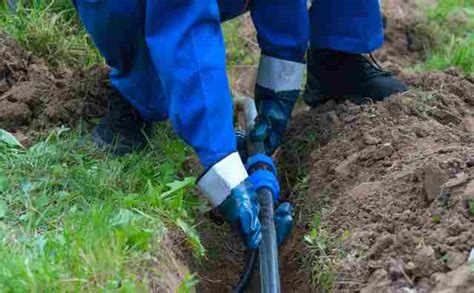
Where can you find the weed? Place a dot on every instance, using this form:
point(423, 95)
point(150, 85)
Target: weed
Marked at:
point(436, 219)
point(189, 282)
point(470, 205)
point(324, 255)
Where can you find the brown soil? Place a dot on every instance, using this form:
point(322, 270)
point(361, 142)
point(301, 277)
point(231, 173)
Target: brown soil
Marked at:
point(392, 181)
point(34, 98)
point(225, 258)
point(165, 270)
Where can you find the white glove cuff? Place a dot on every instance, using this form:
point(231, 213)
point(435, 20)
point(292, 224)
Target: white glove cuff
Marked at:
point(216, 184)
point(280, 75)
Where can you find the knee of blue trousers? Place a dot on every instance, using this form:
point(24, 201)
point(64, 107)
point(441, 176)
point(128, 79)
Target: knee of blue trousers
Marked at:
point(228, 9)
point(346, 25)
point(117, 31)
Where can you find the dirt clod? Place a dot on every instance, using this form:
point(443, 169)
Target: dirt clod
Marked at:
point(35, 98)
point(459, 280)
point(433, 179)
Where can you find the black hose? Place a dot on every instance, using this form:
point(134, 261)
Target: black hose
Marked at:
point(241, 286)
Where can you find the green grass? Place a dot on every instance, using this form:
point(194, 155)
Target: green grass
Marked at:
point(73, 218)
point(451, 23)
point(470, 206)
point(50, 29)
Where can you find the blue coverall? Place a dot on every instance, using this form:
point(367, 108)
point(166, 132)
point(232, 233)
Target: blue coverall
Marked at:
point(168, 58)
point(353, 26)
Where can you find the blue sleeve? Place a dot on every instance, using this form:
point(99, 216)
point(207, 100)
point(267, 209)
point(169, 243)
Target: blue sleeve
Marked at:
point(187, 49)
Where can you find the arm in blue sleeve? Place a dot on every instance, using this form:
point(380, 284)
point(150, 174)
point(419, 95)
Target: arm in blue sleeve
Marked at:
point(187, 49)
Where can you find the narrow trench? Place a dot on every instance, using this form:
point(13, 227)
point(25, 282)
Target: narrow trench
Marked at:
point(226, 256)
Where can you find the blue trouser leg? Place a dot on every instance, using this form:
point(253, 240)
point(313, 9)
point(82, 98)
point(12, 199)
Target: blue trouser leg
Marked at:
point(282, 28)
point(117, 28)
point(353, 26)
point(282, 25)
point(187, 50)
point(168, 59)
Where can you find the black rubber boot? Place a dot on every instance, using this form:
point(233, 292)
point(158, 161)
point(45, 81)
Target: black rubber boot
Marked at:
point(341, 76)
point(122, 130)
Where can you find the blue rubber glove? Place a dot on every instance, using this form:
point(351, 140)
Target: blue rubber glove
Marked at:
point(263, 174)
point(283, 221)
point(241, 211)
point(274, 110)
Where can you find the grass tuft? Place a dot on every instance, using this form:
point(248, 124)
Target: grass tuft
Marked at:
point(324, 254)
point(74, 218)
point(451, 23)
point(50, 29)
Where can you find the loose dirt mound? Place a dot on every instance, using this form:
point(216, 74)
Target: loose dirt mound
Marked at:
point(34, 98)
point(393, 181)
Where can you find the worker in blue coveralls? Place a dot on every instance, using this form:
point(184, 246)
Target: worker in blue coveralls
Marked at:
point(167, 61)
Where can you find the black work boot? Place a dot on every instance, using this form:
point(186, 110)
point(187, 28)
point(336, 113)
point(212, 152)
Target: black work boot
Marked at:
point(340, 76)
point(122, 130)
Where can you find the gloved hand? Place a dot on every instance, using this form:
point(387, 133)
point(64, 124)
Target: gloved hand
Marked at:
point(241, 211)
point(228, 187)
point(263, 174)
point(274, 110)
point(283, 221)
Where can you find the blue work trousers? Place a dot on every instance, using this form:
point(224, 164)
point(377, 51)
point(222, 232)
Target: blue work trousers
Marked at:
point(353, 26)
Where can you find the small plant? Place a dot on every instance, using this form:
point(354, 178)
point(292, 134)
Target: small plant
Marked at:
point(188, 284)
point(436, 219)
point(324, 254)
point(470, 206)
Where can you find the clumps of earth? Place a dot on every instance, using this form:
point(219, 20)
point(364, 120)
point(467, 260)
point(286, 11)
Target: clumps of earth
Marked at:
point(394, 185)
point(35, 98)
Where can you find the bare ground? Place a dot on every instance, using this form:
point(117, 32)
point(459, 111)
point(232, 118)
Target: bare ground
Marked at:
point(35, 98)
